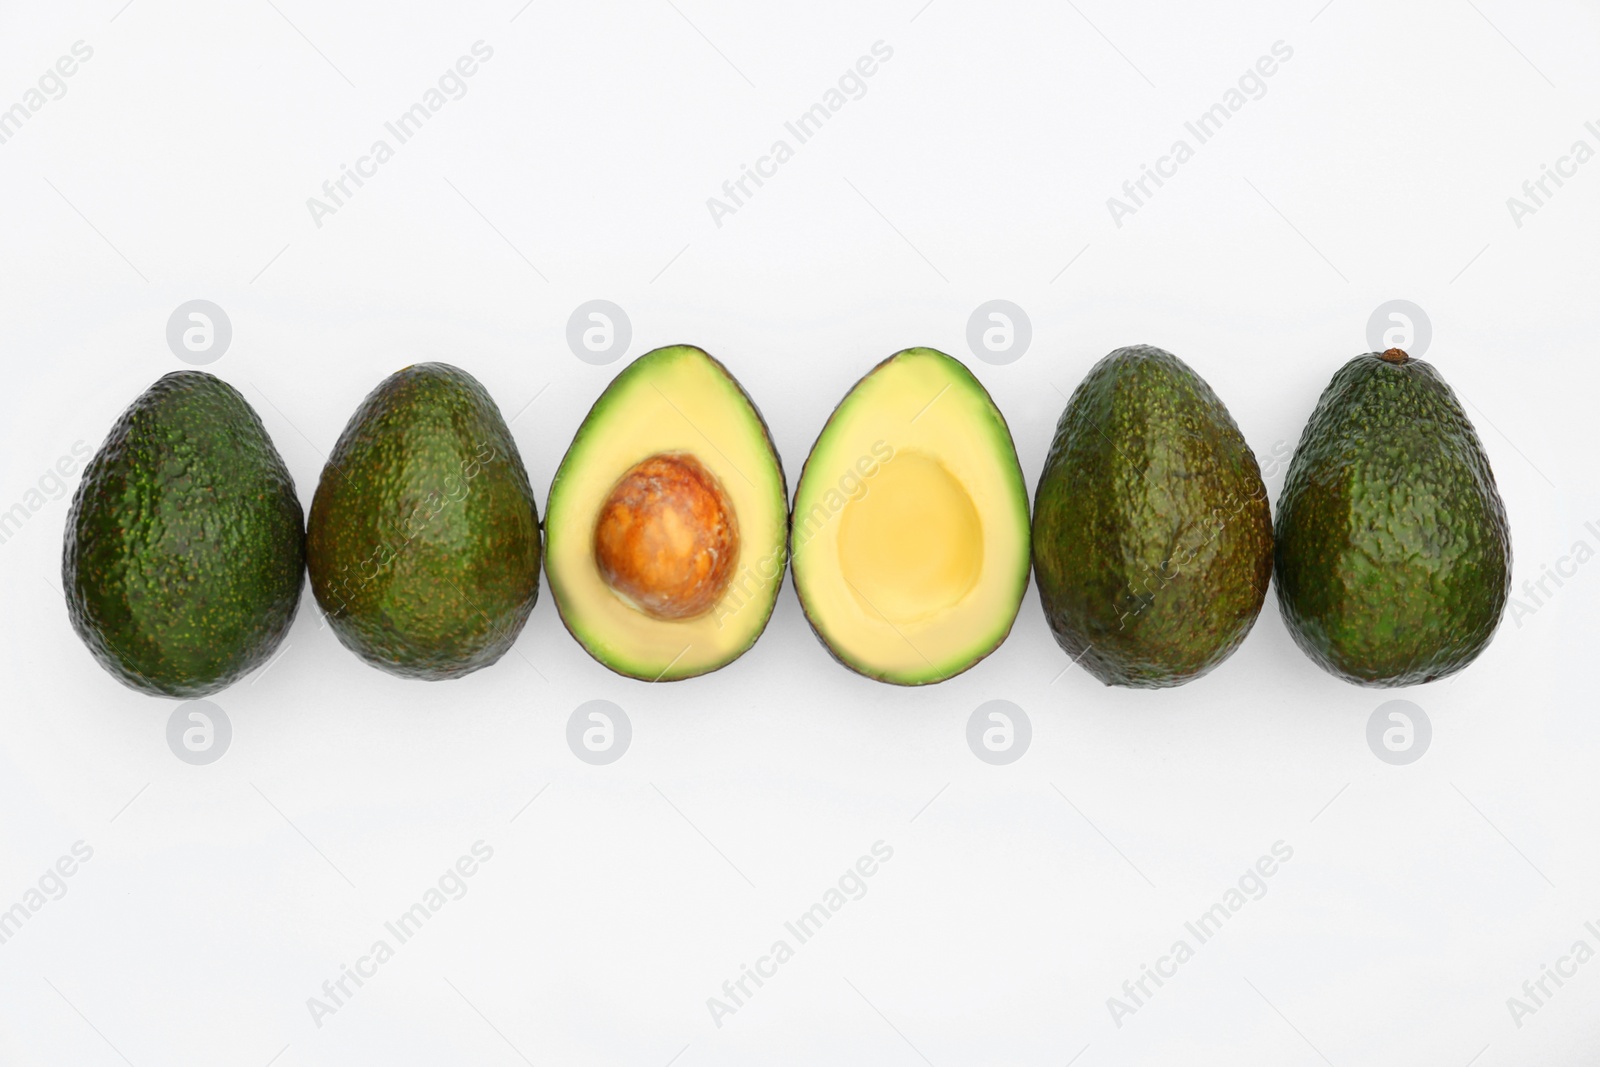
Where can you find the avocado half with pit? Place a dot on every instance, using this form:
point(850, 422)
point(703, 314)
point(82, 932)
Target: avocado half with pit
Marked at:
point(910, 532)
point(667, 523)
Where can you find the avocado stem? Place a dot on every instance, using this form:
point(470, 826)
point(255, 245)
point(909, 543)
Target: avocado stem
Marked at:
point(1394, 355)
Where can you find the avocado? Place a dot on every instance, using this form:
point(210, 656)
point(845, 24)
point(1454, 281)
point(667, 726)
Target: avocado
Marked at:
point(185, 547)
point(910, 527)
point(1393, 555)
point(1152, 537)
point(423, 543)
point(667, 520)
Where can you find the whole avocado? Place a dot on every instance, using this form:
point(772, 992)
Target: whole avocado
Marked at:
point(1152, 536)
point(424, 542)
point(1393, 554)
point(185, 547)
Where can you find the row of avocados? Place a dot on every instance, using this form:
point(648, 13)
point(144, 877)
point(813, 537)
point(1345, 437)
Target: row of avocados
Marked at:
point(669, 526)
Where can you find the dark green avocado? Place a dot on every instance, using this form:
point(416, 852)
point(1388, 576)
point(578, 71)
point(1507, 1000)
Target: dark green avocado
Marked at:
point(1393, 554)
point(185, 547)
point(1152, 537)
point(424, 541)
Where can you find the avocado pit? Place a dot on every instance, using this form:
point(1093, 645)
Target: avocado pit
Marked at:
point(666, 537)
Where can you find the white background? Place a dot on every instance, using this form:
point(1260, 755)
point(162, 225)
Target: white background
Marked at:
point(977, 166)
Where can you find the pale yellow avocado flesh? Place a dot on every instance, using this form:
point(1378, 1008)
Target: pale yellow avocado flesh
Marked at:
point(674, 399)
point(912, 546)
point(910, 527)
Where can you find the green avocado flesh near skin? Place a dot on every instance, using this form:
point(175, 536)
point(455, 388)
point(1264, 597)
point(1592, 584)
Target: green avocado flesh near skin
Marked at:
point(423, 542)
point(185, 550)
point(680, 403)
point(1152, 535)
point(1393, 554)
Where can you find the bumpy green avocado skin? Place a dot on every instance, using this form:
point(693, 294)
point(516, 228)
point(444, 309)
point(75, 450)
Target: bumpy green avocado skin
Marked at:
point(185, 547)
point(424, 542)
point(1152, 536)
point(1393, 554)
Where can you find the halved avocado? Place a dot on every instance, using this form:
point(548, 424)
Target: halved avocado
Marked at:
point(666, 528)
point(910, 532)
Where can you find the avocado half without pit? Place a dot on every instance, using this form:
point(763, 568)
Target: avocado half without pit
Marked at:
point(667, 520)
point(910, 525)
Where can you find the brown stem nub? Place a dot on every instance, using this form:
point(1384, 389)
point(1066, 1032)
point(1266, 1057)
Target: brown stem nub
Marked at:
point(1394, 355)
